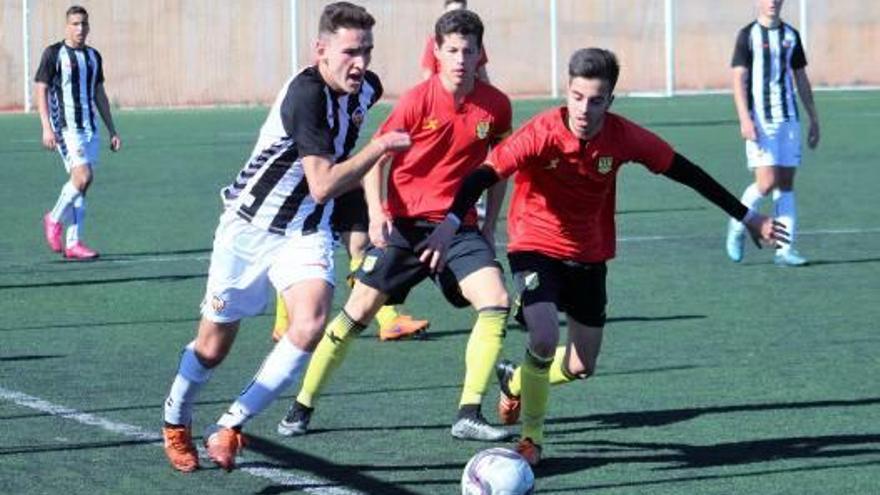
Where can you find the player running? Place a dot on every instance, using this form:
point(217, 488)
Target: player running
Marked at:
point(561, 229)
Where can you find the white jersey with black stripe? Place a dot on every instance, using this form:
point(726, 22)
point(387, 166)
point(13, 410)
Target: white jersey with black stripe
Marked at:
point(307, 118)
point(71, 74)
point(771, 55)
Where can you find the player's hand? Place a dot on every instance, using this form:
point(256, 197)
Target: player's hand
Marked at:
point(813, 136)
point(747, 129)
point(766, 231)
point(115, 143)
point(394, 141)
point(435, 246)
point(49, 141)
point(380, 231)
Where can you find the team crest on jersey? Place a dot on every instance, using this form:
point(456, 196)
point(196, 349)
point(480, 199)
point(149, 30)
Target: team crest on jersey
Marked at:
point(369, 263)
point(605, 164)
point(430, 124)
point(483, 129)
point(358, 116)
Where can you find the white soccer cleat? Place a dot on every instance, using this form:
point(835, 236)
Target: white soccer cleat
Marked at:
point(789, 257)
point(735, 244)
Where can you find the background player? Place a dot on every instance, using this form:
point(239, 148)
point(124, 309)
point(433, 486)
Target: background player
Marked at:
point(768, 62)
point(277, 231)
point(69, 88)
point(561, 228)
point(453, 118)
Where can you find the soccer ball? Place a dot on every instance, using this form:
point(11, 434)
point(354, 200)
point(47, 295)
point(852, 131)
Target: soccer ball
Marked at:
point(497, 471)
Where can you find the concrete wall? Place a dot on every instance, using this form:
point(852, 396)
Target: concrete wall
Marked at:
point(204, 52)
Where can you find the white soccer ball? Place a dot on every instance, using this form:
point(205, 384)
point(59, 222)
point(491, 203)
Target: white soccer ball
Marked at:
point(497, 471)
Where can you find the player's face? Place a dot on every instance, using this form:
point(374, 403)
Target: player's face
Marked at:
point(458, 57)
point(587, 101)
point(343, 58)
point(770, 8)
point(77, 29)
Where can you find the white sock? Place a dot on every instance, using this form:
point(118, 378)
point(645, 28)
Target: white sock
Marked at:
point(191, 376)
point(752, 198)
point(62, 210)
point(74, 230)
point(281, 367)
point(786, 214)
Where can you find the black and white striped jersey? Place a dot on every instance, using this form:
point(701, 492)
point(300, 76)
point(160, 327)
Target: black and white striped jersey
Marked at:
point(307, 119)
point(770, 55)
point(72, 75)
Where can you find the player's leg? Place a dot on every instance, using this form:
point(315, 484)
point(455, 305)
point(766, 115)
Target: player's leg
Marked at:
point(81, 175)
point(789, 158)
point(760, 163)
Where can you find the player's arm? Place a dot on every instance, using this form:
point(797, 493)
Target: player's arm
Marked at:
point(42, 94)
point(741, 100)
point(760, 227)
point(380, 224)
point(328, 180)
point(805, 90)
point(103, 105)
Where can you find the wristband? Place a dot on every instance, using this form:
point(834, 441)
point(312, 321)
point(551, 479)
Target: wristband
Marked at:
point(750, 215)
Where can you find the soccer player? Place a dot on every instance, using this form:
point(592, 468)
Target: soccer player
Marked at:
point(69, 88)
point(561, 229)
point(453, 119)
point(277, 231)
point(768, 63)
point(430, 64)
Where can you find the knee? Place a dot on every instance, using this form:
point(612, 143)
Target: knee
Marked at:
point(210, 356)
point(306, 332)
point(543, 346)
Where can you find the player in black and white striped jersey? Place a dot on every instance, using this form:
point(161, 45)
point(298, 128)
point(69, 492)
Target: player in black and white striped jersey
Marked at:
point(768, 63)
point(69, 90)
point(275, 231)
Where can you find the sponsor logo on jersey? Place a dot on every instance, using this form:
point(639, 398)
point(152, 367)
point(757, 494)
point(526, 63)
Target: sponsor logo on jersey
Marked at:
point(605, 164)
point(430, 124)
point(483, 129)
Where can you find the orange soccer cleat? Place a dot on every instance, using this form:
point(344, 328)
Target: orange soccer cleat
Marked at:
point(402, 327)
point(179, 448)
point(223, 445)
point(530, 451)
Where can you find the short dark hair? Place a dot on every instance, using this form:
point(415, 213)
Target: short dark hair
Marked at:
point(463, 22)
point(74, 10)
point(344, 15)
point(594, 63)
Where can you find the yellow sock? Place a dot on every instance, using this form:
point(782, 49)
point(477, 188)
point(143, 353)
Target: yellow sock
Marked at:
point(329, 354)
point(386, 316)
point(483, 349)
point(535, 395)
point(282, 320)
point(558, 373)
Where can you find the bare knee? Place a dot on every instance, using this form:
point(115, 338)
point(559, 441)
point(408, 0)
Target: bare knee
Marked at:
point(305, 332)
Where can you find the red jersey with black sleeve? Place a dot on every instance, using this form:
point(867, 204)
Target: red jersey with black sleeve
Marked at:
point(565, 188)
point(448, 143)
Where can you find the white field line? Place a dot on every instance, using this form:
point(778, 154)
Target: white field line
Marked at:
point(275, 475)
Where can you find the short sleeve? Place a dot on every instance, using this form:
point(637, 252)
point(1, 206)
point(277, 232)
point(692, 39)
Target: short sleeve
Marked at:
point(517, 150)
point(404, 115)
point(742, 52)
point(798, 57)
point(647, 148)
point(504, 124)
point(48, 65)
point(304, 116)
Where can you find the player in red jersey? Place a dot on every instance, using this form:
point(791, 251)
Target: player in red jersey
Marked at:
point(561, 229)
point(431, 65)
point(453, 119)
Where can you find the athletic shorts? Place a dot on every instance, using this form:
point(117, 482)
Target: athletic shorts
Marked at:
point(578, 289)
point(778, 144)
point(350, 212)
point(246, 260)
point(77, 148)
point(396, 269)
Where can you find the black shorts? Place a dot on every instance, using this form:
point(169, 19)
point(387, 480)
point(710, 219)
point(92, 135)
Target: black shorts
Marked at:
point(576, 288)
point(350, 212)
point(396, 269)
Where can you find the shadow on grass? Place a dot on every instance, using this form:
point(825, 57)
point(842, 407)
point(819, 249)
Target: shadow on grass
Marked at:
point(30, 357)
point(101, 324)
point(617, 319)
point(104, 281)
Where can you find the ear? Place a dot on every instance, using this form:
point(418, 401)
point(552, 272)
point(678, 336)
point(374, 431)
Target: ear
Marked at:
point(610, 101)
point(319, 49)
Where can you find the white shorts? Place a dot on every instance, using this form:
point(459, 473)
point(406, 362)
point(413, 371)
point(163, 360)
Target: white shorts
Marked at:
point(246, 260)
point(777, 145)
point(78, 148)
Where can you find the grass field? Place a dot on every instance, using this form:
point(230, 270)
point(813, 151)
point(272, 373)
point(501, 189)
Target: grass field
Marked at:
point(715, 378)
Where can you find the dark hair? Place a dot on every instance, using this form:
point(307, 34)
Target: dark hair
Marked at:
point(446, 3)
point(463, 22)
point(74, 10)
point(344, 15)
point(594, 63)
